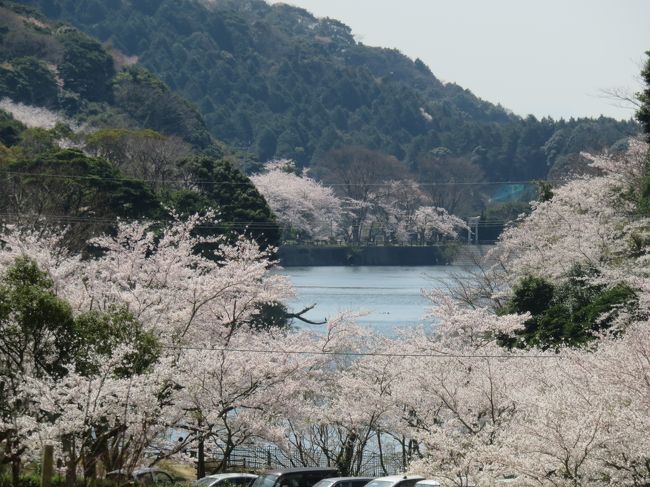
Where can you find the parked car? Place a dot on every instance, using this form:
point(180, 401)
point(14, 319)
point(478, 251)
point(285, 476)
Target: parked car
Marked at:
point(294, 477)
point(141, 476)
point(395, 481)
point(344, 482)
point(226, 480)
point(428, 483)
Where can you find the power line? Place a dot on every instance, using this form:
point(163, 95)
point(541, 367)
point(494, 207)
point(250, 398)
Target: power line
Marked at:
point(357, 354)
point(91, 219)
point(248, 183)
point(251, 225)
point(106, 220)
point(454, 183)
point(228, 223)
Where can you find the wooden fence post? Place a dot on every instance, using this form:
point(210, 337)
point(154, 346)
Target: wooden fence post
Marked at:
point(47, 466)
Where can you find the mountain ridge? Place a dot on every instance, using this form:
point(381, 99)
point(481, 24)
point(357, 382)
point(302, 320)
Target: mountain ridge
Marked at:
point(279, 82)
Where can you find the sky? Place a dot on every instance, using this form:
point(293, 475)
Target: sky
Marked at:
point(540, 57)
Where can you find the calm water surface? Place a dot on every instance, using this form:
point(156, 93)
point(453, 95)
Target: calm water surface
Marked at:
point(392, 296)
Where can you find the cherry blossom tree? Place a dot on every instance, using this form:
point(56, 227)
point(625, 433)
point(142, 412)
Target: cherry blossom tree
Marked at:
point(456, 393)
point(591, 221)
point(103, 416)
point(394, 206)
point(400, 210)
point(351, 409)
point(181, 296)
point(571, 418)
point(433, 222)
point(216, 378)
point(300, 203)
point(246, 390)
point(32, 116)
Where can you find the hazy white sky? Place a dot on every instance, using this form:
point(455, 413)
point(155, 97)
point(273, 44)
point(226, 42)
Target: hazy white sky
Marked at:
point(545, 57)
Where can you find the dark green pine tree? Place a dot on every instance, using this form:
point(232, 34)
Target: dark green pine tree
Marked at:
point(241, 209)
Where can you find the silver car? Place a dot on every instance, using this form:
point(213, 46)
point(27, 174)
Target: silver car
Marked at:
point(226, 480)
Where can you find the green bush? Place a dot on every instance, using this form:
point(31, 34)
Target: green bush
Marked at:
point(571, 313)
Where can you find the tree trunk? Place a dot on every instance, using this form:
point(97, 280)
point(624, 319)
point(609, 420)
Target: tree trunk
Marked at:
point(11, 456)
point(200, 464)
point(381, 454)
point(70, 461)
point(15, 464)
point(344, 460)
point(226, 454)
point(90, 465)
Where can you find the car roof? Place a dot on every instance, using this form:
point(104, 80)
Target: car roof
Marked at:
point(341, 479)
point(337, 479)
point(428, 482)
point(231, 475)
point(283, 471)
point(397, 478)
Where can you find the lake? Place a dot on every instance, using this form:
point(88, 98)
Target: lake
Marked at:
point(392, 296)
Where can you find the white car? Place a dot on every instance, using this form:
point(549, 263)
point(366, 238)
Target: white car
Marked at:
point(395, 481)
point(226, 480)
point(344, 482)
point(428, 483)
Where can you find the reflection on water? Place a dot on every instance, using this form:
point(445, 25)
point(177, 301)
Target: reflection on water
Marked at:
point(392, 296)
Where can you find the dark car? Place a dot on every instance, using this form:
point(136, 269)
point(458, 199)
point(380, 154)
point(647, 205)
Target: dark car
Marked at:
point(344, 482)
point(294, 477)
point(142, 476)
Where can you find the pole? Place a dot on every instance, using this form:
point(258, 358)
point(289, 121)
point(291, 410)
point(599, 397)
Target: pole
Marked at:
point(48, 464)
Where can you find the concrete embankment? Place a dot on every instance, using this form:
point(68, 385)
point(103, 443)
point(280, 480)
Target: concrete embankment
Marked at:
point(298, 255)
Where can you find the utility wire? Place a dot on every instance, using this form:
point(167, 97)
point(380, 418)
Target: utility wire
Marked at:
point(358, 354)
point(248, 183)
point(230, 223)
point(91, 219)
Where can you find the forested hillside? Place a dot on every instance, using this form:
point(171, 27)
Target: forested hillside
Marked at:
point(88, 136)
point(279, 82)
point(62, 69)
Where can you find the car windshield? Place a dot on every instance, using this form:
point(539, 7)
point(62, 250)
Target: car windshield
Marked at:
point(265, 481)
point(324, 483)
point(380, 483)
